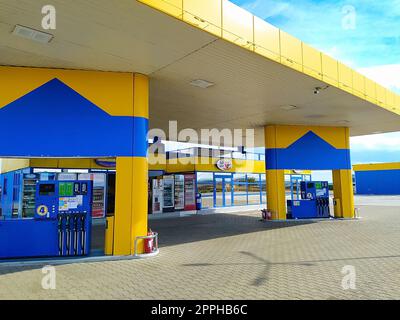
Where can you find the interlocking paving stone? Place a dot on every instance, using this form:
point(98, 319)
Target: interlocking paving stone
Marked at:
point(235, 256)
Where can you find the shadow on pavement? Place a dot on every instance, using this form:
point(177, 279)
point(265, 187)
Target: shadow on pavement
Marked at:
point(205, 227)
point(262, 278)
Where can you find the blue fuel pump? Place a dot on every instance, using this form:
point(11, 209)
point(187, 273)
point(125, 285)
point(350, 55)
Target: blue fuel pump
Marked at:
point(314, 202)
point(69, 202)
point(61, 225)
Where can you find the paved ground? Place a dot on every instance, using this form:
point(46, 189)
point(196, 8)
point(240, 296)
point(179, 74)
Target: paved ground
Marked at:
point(377, 200)
point(235, 256)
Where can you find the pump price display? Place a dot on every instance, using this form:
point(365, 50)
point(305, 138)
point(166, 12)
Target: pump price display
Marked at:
point(200, 310)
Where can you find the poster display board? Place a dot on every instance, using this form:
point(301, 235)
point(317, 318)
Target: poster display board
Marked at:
point(190, 192)
point(99, 192)
point(157, 196)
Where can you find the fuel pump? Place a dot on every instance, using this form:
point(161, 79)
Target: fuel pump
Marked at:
point(314, 202)
point(60, 226)
point(74, 215)
point(320, 192)
point(69, 203)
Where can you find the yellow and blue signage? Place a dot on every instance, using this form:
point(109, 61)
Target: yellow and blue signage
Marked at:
point(56, 120)
point(308, 150)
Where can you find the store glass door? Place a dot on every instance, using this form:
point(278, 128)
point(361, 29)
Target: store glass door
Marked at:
point(223, 191)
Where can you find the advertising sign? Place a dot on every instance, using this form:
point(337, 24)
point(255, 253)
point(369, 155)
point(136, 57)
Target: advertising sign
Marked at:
point(157, 201)
point(224, 164)
point(106, 162)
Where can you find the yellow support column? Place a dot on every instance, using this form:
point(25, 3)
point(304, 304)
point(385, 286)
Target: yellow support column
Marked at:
point(140, 167)
point(276, 200)
point(275, 179)
point(139, 201)
point(308, 148)
point(131, 212)
point(343, 193)
point(123, 206)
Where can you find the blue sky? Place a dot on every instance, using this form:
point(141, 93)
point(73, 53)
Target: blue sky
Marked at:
point(370, 45)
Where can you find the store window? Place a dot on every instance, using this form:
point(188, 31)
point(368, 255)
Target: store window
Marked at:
point(254, 194)
point(263, 188)
point(203, 177)
point(239, 177)
point(240, 189)
point(253, 178)
point(205, 186)
point(248, 189)
point(226, 189)
point(254, 188)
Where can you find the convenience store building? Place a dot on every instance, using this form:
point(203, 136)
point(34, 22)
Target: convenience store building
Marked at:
point(240, 183)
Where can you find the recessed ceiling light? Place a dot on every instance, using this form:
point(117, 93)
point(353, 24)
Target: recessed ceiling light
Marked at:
point(32, 34)
point(288, 107)
point(204, 84)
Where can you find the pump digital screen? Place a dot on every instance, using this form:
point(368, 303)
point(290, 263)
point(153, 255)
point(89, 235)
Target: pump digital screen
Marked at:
point(47, 189)
point(65, 189)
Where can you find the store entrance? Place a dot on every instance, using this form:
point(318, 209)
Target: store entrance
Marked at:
point(223, 191)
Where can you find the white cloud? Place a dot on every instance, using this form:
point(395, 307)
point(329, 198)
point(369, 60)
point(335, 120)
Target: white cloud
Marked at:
point(386, 141)
point(386, 75)
point(337, 54)
point(372, 48)
point(374, 40)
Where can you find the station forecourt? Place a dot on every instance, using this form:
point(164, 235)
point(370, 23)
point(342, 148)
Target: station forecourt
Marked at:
point(80, 109)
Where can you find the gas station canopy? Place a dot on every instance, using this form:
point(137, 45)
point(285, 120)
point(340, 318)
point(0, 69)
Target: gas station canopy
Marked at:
point(255, 73)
